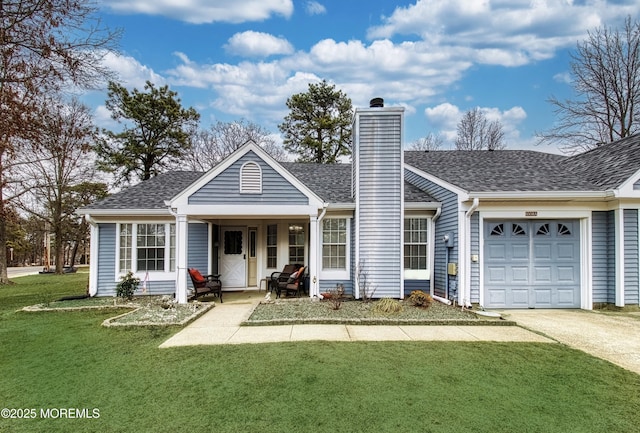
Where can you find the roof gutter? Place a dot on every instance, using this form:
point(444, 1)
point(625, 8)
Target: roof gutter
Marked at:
point(547, 195)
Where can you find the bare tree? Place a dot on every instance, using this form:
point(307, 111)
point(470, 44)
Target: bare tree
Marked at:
point(605, 72)
point(45, 46)
point(430, 142)
point(476, 132)
point(209, 147)
point(54, 164)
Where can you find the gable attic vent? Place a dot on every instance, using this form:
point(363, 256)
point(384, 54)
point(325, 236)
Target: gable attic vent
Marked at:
point(250, 178)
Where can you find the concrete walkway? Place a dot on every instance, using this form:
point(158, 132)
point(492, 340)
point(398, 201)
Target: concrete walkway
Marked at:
point(614, 337)
point(221, 325)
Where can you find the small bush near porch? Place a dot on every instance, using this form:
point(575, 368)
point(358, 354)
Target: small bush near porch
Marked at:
point(67, 360)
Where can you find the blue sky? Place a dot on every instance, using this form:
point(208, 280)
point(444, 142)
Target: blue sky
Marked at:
point(242, 59)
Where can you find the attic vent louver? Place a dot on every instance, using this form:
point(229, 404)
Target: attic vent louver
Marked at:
point(376, 103)
point(251, 178)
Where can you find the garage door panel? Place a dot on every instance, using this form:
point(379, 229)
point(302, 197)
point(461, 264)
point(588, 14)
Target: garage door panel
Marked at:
point(497, 252)
point(520, 252)
point(520, 298)
point(567, 298)
point(498, 297)
point(542, 251)
point(567, 274)
point(519, 274)
point(532, 264)
point(497, 274)
point(543, 298)
point(566, 251)
point(542, 275)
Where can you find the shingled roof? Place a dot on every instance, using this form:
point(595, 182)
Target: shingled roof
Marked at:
point(500, 170)
point(150, 194)
point(607, 166)
point(600, 169)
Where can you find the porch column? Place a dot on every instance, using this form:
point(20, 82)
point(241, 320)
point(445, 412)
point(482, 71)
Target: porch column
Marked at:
point(93, 255)
point(314, 257)
point(619, 235)
point(182, 228)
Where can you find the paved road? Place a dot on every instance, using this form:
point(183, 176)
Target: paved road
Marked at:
point(22, 271)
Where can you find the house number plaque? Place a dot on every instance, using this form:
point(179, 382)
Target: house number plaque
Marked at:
point(531, 213)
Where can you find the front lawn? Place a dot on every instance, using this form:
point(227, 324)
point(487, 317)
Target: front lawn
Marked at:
point(67, 360)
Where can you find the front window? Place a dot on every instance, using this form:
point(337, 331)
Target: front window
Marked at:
point(126, 239)
point(296, 244)
point(416, 247)
point(155, 247)
point(334, 243)
point(272, 246)
point(150, 247)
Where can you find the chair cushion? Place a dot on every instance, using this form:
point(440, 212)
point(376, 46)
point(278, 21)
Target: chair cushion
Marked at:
point(196, 275)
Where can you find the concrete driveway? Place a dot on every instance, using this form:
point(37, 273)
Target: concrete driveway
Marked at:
point(607, 335)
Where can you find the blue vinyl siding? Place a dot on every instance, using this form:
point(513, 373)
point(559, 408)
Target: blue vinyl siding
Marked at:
point(603, 257)
point(107, 260)
point(448, 222)
point(197, 249)
point(225, 188)
point(411, 285)
point(380, 189)
point(631, 257)
point(329, 285)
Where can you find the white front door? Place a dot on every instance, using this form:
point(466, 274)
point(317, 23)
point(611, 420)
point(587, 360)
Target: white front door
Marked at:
point(234, 257)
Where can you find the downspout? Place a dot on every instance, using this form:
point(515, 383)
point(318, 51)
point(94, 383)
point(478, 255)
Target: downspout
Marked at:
point(93, 255)
point(314, 280)
point(433, 258)
point(466, 291)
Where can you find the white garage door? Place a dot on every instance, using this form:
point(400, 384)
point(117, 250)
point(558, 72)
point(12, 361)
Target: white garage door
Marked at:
point(532, 264)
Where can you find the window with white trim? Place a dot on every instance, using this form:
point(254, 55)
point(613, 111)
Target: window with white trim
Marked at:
point(126, 242)
point(272, 246)
point(154, 251)
point(296, 244)
point(416, 248)
point(334, 243)
point(250, 178)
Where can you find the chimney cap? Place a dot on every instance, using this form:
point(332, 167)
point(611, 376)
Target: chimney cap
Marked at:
point(376, 102)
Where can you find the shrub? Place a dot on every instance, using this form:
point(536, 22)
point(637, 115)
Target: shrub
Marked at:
point(387, 306)
point(420, 299)
point(336, 296)
point(127, 285)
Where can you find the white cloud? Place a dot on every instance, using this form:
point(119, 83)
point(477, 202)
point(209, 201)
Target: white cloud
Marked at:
point(563, 77)
point(444, 118)
point(257, 44)
point(130, 72)
point(206, 11)
point(508, 33)
point(315, 8)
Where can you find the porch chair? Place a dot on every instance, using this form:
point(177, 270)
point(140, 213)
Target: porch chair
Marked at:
point(204, 284)
point(293, 283)
point(278, 277)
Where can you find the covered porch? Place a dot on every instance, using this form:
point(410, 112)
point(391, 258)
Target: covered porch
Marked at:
point(246, 250)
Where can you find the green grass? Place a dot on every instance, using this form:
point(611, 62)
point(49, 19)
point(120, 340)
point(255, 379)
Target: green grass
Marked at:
point(67, 360)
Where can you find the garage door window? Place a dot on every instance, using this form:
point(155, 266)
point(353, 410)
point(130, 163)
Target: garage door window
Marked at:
point(518, 230)
point(497, 230)
point(563, 230)
point(543, 230)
